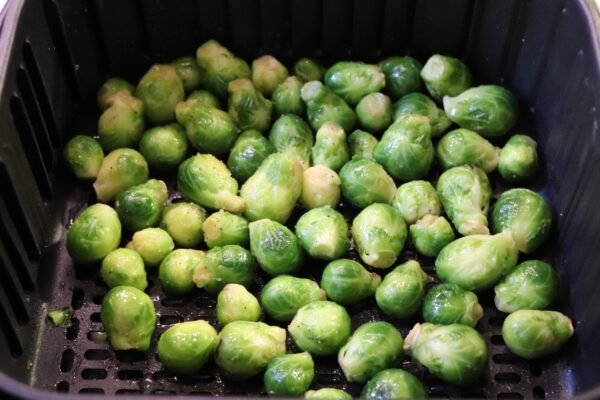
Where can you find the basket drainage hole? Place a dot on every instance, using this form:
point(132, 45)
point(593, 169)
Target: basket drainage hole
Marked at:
point(77, 299)
point(498, 340)
point(496, 321)
point(130, 375)
point(94, 373)
point(66, 363)
point(505, 358)
point(97, 354)
point(328, 379)
point(163, 392)
point(92, 390)
point(95, 317)
point(173, 302)
point(97, 299)
point(73, 330)
point(130, 356)
point(62, 387)
point(507, 377)
point(170, 319)
point(128, 391)
point(510, 395)
point(535, 369)
point(539, 393)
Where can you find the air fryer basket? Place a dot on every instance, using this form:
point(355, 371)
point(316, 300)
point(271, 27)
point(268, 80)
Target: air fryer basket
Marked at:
point(58, 52)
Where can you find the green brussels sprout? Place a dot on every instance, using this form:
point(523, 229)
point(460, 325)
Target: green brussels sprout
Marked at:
point(248, 152)
point(365, 182)
point(327, 394)
point(533, 333)
point(374, 112)
point(203, 97)
point(274, 188)
point(330, 149)
point(526, 214)
point(218, 66)
point(286, 98)
point(394, 384)
point(347, 282)
point(447, 304)
point(416, 199)
point(532, 285)
point(83, 154)
point(187, 70)
point(323, 105)
point(465, 147)
point(465, 194)
point(276, 248)
point(121, 124)
point(183, 222)
point(128, 318)
point(209, 129)
point(94, 233)
point(120, 169)
point(518, 159)
point(204, 179)
point(402, 75)
point(320, 327)
point(289, 375)
point(176, 270)
point(372, 348)
point(223, 265)
point(307, 69)
point(284, 295)
point(186, 347)
point(61, 317)
point(454, 353)
point(223, 227)
point(405, 149)
point(323, 233)
point(247, 106)
point(152, 244)
point(420, 104)
point(140, 206)
point(160, 90)
point(267, 74)
point(489, 110)
point(401, 292)
point(124, 267)
point(244, 348)
point(477, 262)
point(445, 76)
point(352, 80)
point(320, 187)
point(431, 234)
point(379, 233)
point(236, 303)
point(109, 89)
point(291, 134)
point(362, 144)
point(164, 147)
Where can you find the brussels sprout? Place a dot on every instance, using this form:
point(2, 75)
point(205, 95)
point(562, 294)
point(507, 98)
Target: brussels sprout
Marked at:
point(204, 179)
point(247, 106)
point(128, 318)
point(160, 90)
point(267, 74)
point(465, 147)
point(455, 353)
point(222, 228)
point(405, 149)
point(248, 152)
point(121, 169)
point(124, 267)
point(94, 233)
point(152, 244)
point(203, 97)
point(420, 104)
point(374, 112)
point(84, 155)
point(284, 295)
point(323, 105)
point(291, 134)
point(526, 214)
point(164, 147)
point(416, 199)
point(320, 327)
point(447, 304)
point(122, 124)
point(218, 66)
point(323, 233)
point(362, 144)
point(275, 247)
point(327, 394)
point(183, 222)
point(465, 194)
point(61, 317)
point(307, 69)
point(176, 270)
point(186, 347)
point(379, 234)
point(320, 187)
point(274, 188)
point(347, 282)
point(140, 206)
point(445, 76)
point(352, 80)
point(533, 333)
point(330, 147)
point(431, 234)
point(489, 110)
point(223, 265)
point(477, 262)
point(286, 98)
point(244, 348)
point(532, 285)
point(518, 159)
point(209, 129)
point(394, 384)
point(365, 182)
point(289, 375)
point(235, 303)
point(109, 89)
point(187, 70)
point(402, 75)
point(401, 292)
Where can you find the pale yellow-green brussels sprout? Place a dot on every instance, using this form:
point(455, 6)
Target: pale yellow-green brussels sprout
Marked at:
point(218, 66)
point(183, 222)
point(291, 134)
point(420, 104)
point(394, 383)
point(203, 97)
point(323, 233)
point(431, 234)
point(186, 347)
point(416, 199)
point(308, 69)
point(347, 282)
point(267, 74)
point(284, 295)
point(518, 159)
point(152, 244)
point(124, 267)
point(465, 147)
point(286, 98)
point(121, 169)
point(448, 303)
point(400, 294)
point(365, 182)
point(248, 152)
point(247, 106)
point(121, 124)
point(374, 112)
point(276, 248)
point(330, 147)
point(164, 147)
point(323, 105)
point(223, 227)
point(188, 71)
point(160, 89)
point(289, 374)
point(327, 394)
point(140, 206)
point(352, 80)
point(176, 270)
point(223, 265)
point(83, 154)
point(236, 303)
point(94, 233)
point(108, 90)
point(320, 187)
point(362, 144)
point(445, 76)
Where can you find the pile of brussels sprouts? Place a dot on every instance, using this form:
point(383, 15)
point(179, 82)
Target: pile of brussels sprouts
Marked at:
point(249, 145)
